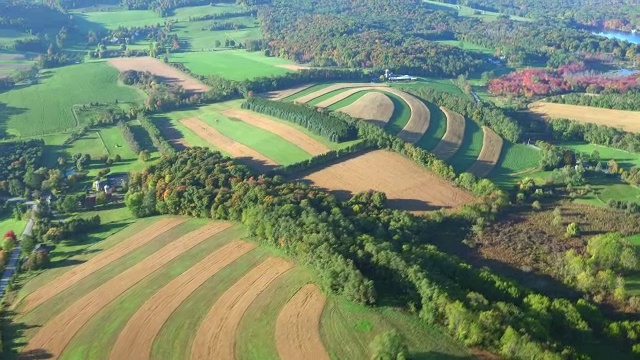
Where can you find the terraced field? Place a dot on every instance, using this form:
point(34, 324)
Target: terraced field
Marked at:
point(177, 288)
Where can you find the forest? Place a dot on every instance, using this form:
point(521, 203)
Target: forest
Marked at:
point(369, 252)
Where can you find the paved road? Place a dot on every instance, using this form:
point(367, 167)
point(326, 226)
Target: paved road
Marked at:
point(15, 254)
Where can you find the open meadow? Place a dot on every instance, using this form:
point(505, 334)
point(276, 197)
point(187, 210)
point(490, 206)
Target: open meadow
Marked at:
point(177, 288)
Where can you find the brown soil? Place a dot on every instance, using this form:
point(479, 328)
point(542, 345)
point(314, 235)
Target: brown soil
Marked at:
point(489, 155)
point(452, 139)
point(239, 151)
point(293, 67)
point(345, 94)
point(407, 185)
point(56, 334)
point(627, 120)
point(136, 339)
point(99, 261)
point(216, 337)
point(281, 94)
point(330, 88)
point(168, 73)
point(298, 326)
point(292, 135)
point(375, 107)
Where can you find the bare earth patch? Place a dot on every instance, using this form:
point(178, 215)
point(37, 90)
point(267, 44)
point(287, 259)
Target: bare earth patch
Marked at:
point(168, 73)
point(293, 67)
point(281, 94)
point(407, 185)
point(56, 334)
point(375, 107)
point(627, 120)
point(101, 260)
point(298, 326)
point(489, 155)
point(452, 139)
point(136, 339)
point(216, 337)
point(239, 151)
point(292, 135)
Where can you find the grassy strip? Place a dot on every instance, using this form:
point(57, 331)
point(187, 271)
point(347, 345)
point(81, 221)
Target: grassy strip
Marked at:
point(110, 320)
point(436, 130)
point(515, 158)
point(348, 101)
point(307, 91)
point(401, 114)
point(470, 149)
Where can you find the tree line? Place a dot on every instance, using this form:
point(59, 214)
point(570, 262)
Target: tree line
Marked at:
point(364, 251)
point(565, 129)
point(607, 100)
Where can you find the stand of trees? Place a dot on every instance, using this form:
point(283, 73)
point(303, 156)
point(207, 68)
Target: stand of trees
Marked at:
point(367, 251)
point(564, 129)
point(18, 159)
point(163, 146)
point(129, 137)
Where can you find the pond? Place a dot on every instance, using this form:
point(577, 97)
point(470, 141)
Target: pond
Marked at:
point(620, 35)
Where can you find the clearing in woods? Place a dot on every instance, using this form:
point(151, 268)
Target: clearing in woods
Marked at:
point(452, 139)
point(55, 335)
point(407, 185)
point(167, 73)
point(106, 257)
point(231, 147)
point(136, 339)
point(373, 106)
point(216, 337)
point(489, 155)
point(298, 326)
point(286, 132)
point(627, 120)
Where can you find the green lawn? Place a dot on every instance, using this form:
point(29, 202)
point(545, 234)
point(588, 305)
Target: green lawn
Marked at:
point(231, 64)
point(470, 148)
point(624, 159)
point(605, 188)
point(444, 85)
point(45, 108)
point(436, 130)
point(112, 318)
point(8, 224)
point(515, 160)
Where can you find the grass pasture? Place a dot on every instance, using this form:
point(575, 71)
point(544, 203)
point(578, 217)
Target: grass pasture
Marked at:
point(9, 224)
point(470, 148)
point(515, 160)
point(345, 329)
point(46, 107)
point(232, 64)
point(436, 130)
point(13, 61)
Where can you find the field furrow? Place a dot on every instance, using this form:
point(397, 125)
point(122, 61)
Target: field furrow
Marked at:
point(233, 148)
point(165, 72)
point(136, 339)
point(489, 155)
point(316, 94)
point(216, 337)
point(281, 94)
point(298, 326)
point(101, 260)
point(289, 133)
point(54, 336)
point(375, 107)
point(452, 139)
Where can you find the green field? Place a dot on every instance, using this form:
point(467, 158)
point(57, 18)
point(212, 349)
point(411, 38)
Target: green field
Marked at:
point(8, 224)
point(466, 11)
point(515, 160)
point(45, 108)
point(8, 36)
point(307, 91)
point(346, 329)
point(444, 85)
point(468, 46)
point(624, 159)
point(231, 64)
point(436, 130)
point(470, 148)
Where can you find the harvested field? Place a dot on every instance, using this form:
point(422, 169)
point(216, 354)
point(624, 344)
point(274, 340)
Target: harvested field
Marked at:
point(452, 139)
point(293, 67)
point(239, 151)
point(489, 155)
point(101, 260)
point(627, 120)
point(345, 94)
point(136, 339)
point(56, 334)
point(375, 107)
point(407, 185)
point(292, 135)
point(167, 73)
point(330, 88)
point(216, 337)
point(298, 326)
point(281, 94)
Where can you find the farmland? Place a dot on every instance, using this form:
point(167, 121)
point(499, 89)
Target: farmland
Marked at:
point(207, 276)
point(166, 72)
point(626, 120)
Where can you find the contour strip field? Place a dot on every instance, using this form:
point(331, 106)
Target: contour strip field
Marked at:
point(452, 139)
point(489, 155)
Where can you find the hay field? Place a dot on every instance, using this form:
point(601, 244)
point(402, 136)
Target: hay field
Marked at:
point(489, 155)
point(407, 185)
point(199, 291)
point(166, 72)
point(453, 137)
point(373, 106)
point(627, 120)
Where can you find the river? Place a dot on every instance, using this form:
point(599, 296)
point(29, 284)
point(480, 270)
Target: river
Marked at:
point(620, 35)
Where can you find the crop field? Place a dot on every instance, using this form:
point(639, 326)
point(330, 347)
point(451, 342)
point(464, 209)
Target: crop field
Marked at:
point(375, 107)
point(468, 153)
point(168, 73)
point(627, 120)
point(489, 155)
point(436, 130)
point(173, 288)
point(444, 85)
point(452, 139)
point(232, 64)
point(515, 160)
point(45, 107)
point(407, 185)
point(282, 94)
point(13, 61)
